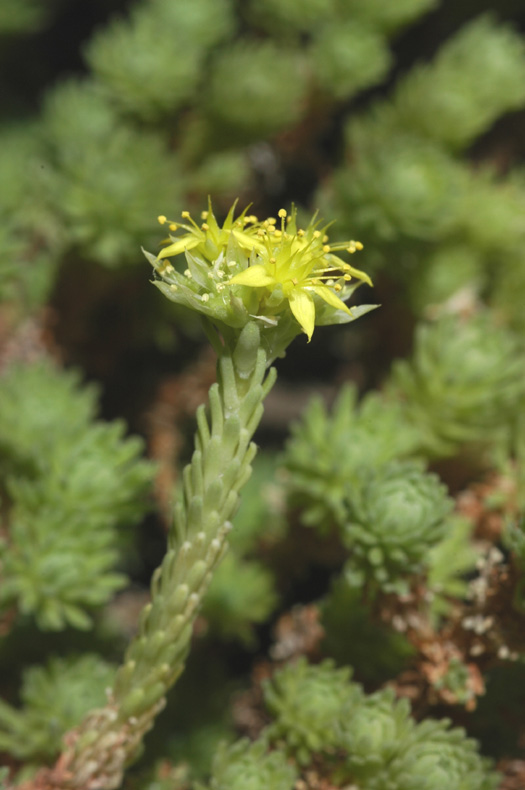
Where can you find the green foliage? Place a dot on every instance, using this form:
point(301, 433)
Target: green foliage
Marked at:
point(106, 180)
point(260, 518)
point(448, 270)
point(241, 92)
point(22, 16)
point(151, 64)
point(55, 697)
point(308, 17)
point(386, 16)
point(249, 766)
point(240, 595)
point(447, 101)
point(185, 98)
point(354, 638)
point(388, 751)
point(370, 740)
point(463, 384)
point(348, 57)
point(286, 18)
point(30, 240)
point(70, 483)
point(327, 454)
point(393, 521)
point(449, 562)
point(400, 186)
point(310, 704)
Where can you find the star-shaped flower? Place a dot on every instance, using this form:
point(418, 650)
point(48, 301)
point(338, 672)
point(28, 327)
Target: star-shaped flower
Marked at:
point(286, 278)
point(294, 265)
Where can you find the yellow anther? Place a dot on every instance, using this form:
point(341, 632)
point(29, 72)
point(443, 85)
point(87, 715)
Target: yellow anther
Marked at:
point(205, 297)
point(325, 238)
point(187, 273)
point(162, 219)
point(300, 232)
point(204, 214)
point(358, 245)
point(271, 220)
point(316, 234)
point(282, 213)
point(351, 249)
point(326, 248)
point(338, 287)
point(185, 214)
point(205, 226)
point(277, 233)
point(347, 277)
point(173, 287)
point(273, 260)
point(260, 232)
point(173, 226)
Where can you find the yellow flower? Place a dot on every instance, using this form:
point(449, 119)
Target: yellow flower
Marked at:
point(294, 265)
point(287, 278)
point(209, 240)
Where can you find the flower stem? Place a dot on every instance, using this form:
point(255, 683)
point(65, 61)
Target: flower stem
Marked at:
point(108, 739)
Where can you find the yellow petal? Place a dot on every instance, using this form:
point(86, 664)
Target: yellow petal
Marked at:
point(347, 269)
point(303, 308)
point(248, 241)
point(359, 274)
point(329, 296)
point(184, 243)
point(256, 276)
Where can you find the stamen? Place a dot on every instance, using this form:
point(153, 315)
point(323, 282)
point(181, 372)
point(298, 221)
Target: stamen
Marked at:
point(205, 298)
point(161, 219)
point(187, 274)
point(204, 214)
point(173, 226)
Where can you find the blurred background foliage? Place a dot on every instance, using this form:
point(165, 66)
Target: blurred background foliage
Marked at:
point(383, 529)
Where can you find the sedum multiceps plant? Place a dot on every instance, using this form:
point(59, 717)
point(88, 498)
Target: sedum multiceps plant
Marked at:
point(257, 286)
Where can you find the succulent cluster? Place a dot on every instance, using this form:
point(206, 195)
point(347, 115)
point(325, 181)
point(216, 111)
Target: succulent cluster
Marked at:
point(71, 484)
point(368, 740)
point(388, 117)
point(393, 521)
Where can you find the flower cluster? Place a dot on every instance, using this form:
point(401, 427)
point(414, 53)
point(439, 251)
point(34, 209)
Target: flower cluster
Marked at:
point(249, 269)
